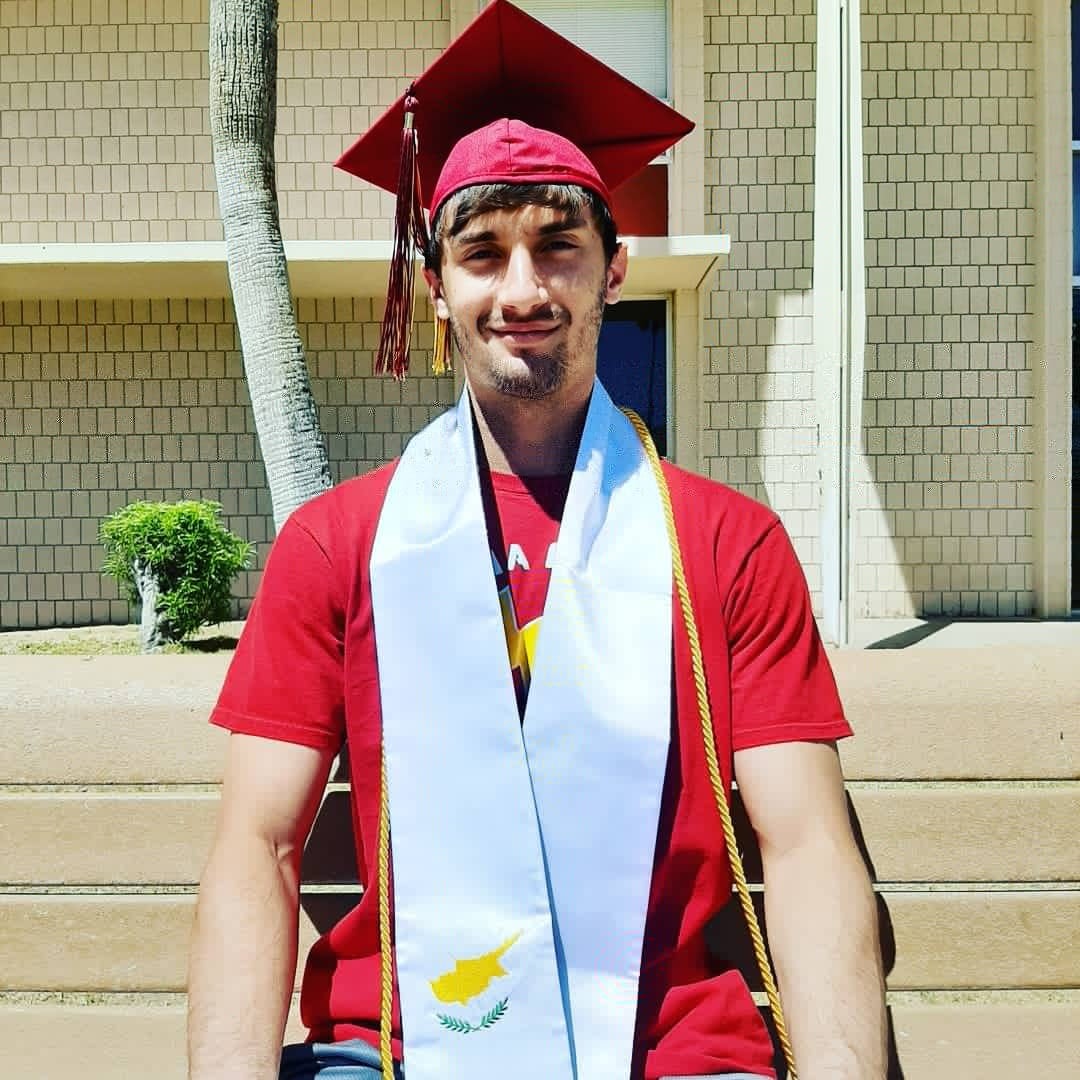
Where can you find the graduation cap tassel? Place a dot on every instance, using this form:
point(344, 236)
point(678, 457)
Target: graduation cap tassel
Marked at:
point(442, 355)
point(410, 232)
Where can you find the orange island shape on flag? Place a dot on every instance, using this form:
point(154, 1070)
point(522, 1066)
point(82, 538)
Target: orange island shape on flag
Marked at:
point(472, 976)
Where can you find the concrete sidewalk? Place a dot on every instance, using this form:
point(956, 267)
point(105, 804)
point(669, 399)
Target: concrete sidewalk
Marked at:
point(901, 633)
point(944, 633)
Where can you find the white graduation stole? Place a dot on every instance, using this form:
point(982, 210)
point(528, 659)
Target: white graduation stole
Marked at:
point(522, 853)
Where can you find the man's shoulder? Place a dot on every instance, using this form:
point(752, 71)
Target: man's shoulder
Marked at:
point(706, 503)
point(348, 511)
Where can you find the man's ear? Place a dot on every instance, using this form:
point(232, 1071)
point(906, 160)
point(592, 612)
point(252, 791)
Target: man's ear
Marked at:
point(435, 291)
point(616, 275)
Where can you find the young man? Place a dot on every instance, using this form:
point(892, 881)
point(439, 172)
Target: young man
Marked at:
point(556, 851)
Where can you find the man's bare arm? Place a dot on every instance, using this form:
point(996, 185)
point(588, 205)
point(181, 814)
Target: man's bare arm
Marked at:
point(243, 950)
point(820, 908)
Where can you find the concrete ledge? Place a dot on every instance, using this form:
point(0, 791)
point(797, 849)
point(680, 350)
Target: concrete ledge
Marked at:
point(983, 713)
point(952, 1040)
point(984, 940)
point(102, 1042)
point(972, 713)
point(914, 833)
point(933, 940)
point(989, 1041)
point(104, 943)
point(317, 268)
point(110, 719)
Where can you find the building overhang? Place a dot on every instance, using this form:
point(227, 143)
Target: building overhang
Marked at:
point(317, 268)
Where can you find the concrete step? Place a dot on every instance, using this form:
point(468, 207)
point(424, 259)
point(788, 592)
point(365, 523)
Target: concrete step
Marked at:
point(933, 939)
point(964, 785)
point(110, 719)
point(995, 831)
point(961, 714)
point(120, 1040)
point(953, 1039)
point(932, 714)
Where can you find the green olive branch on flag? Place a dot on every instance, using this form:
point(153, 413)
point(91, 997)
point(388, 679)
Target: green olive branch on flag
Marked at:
point(464, 1027)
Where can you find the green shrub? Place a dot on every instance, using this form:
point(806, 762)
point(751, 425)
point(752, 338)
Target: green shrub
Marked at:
point(178, 560)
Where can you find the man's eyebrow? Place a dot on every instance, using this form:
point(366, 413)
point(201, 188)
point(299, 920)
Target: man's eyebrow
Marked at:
point(566, 224)
point(486, 236)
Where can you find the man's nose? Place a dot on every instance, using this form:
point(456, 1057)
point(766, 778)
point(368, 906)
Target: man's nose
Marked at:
point(522, 288)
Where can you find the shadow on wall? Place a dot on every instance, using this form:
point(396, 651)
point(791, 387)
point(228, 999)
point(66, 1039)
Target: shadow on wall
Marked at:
point(762, 435)
point(942, 493)
point(765, 426)
point(329, 860)
point(943, 501)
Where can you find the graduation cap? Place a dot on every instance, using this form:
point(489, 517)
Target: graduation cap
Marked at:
point(508, 101)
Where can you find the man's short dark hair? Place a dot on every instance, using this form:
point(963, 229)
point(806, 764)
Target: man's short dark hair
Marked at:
point(461, 207)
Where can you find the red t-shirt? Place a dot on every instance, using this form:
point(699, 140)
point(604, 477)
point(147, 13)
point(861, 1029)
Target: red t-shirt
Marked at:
point(305, 671)
point(523, 516)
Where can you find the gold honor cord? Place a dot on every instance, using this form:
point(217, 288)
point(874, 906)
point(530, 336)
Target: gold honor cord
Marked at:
point(386, 946)
point(715, 779)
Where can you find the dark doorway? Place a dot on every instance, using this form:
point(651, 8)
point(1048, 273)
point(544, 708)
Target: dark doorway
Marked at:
point(632, 361)
point(1076, 442)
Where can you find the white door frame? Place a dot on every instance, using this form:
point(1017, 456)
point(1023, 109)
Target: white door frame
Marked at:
point(1051, 362)
point(839, 293)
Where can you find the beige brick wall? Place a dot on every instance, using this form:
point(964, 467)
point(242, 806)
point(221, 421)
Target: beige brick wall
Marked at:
point(757, 384)
point(102, 403)
point(104, 137)
point(943, 506)
point(104, 126)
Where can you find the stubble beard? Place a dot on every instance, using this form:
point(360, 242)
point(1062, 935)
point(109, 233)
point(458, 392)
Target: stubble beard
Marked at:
point(546, 371)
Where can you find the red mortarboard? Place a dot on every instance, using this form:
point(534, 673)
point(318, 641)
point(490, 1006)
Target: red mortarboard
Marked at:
point(509, 100)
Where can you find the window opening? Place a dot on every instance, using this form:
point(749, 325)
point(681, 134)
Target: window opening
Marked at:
point(638, 48)
point(634, 38)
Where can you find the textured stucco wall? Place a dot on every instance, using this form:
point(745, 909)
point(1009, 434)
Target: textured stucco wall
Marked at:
point(104, 125)
point(104, 138)
point(943, 506)
point(758, 411)
point(102, 403)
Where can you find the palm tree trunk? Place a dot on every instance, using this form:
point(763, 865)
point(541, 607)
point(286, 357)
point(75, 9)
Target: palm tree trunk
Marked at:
point(151, 631)
point(243, 106)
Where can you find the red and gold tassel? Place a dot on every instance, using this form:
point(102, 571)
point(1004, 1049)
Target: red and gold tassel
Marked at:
point(410, 233)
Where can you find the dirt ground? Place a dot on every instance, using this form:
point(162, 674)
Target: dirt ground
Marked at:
point(108, 640)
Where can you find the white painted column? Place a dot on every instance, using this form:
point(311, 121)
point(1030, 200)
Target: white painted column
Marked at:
point(828, 308)
point(854, 228)
point(686, 216)
point(838, 293)
point(1052, 309)
point(686, 185)
point(684, 358)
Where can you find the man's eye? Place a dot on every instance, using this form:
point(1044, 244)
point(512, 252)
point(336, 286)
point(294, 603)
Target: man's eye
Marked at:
point(480, 254)
point(561, 244)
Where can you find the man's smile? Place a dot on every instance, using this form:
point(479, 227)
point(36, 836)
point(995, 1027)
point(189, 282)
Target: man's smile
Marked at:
point(524, 336)
point(524, 333)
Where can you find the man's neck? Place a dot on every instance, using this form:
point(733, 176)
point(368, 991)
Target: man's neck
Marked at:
point(530, 438)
